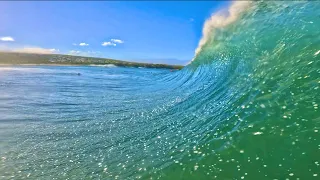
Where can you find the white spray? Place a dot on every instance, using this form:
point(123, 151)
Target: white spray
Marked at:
point(218, 20)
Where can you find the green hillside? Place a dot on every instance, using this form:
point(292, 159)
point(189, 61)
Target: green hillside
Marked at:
point(26, 58)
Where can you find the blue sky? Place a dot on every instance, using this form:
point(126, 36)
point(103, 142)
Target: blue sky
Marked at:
point(158, 32)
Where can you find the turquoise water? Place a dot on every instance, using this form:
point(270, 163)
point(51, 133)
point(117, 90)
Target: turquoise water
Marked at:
point(245, 108)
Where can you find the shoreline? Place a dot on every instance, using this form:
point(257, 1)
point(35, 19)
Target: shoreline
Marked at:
point(89, 65)
point(25, 59)
point(41, 65)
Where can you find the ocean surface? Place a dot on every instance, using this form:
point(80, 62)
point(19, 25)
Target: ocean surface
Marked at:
point(246, 107)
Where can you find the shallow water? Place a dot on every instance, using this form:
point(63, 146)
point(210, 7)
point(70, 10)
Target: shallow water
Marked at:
point(55, 123)
point(245, 108)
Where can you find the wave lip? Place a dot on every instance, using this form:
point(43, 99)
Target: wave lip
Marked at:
point(219, 20)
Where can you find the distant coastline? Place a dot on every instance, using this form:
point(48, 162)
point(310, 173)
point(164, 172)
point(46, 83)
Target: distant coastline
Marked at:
point(39, 64)
point(26, 59)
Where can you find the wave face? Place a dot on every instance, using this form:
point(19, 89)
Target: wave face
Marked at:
point(246, 107)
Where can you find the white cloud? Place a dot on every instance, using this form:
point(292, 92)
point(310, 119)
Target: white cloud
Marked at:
point(117, 41)
point(93, 52)
point(84, 53)
point(6, 38)
point(54, 50)
point(36, 50)
point(83, 44)
point(74, 52)
point(80, 44)
point(108, 44)
point(112, 42)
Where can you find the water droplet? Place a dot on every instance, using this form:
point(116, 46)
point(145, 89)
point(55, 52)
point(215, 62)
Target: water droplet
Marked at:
point(257, 133)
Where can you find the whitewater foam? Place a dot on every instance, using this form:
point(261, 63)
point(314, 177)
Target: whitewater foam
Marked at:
point(219, 20)
point(104, 65)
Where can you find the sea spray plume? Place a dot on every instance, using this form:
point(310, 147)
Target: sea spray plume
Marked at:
point(219, 20)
